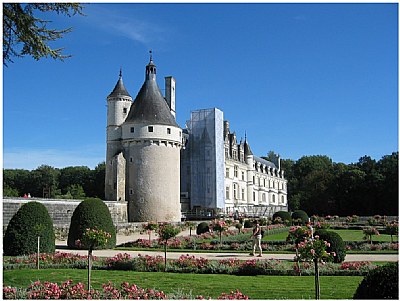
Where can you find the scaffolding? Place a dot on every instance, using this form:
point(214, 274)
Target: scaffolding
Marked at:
point(206, 158)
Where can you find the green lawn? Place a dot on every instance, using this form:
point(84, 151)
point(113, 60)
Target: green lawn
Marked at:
point(256, 287)
point(347, 235)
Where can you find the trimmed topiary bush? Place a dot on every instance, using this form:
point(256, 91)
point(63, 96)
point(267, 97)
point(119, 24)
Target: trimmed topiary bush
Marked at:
point(336, 242)
point(202, 228)
point(91, 213)
point(29, 222)
point(300, 214)
point(248, 224)
point(283, 215)
point(380, 283)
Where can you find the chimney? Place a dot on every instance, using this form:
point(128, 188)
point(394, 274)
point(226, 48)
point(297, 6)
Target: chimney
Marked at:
point(170, 94)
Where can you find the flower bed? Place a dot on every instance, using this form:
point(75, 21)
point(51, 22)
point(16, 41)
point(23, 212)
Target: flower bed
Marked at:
point(68, 290)
point(190, 264)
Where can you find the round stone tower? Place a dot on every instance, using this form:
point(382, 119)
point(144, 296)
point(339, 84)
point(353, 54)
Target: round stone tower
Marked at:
point(118, 106)
point(151, 140)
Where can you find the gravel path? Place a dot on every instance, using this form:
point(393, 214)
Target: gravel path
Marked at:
point(62, 247)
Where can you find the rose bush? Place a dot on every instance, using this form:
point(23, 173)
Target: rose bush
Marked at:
point(68, 290)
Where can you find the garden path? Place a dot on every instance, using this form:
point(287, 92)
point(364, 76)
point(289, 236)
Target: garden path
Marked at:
point(61, 246)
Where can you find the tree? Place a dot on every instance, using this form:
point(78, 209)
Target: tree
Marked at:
point(389, 190)
point(314, 184)
point(165, 232)
point(349, 189)
point(74, 175)
point(92, 239)
point(220, 226)
point(25, 34)
point(96, 181)
point(150, 227)
point(392, 229)
point(45, 180)
point(315, 251)
point(19, 180)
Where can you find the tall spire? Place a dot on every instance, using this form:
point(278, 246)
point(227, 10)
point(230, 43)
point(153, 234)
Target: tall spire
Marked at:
point(151, 68)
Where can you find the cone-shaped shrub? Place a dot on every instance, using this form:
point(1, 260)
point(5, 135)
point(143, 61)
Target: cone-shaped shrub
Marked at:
point(300, 214)
point(202, 228)
point(91, 213)
point(30, 221)
point(380, 283)
point(283, 215)
point(336, 244)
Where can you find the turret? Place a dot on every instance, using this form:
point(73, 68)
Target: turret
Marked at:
point(118, 106)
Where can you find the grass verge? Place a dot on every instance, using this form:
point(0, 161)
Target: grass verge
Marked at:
point(256, 287)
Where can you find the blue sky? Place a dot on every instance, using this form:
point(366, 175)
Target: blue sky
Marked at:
point(300, 79)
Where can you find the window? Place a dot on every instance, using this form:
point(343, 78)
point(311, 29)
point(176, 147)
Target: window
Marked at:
point(254, 179)
point(130, 159)
point(125, 110)
point(131, 191)
point(227, 172)
point(235, 171)
point(243, 194)
point(150, 128)
point(283, 199)
point(168, 131)
point(273, 198)
point(227, 192)
point(243, 175)
point(263, 197)
point(235, 191)
point(132, 129)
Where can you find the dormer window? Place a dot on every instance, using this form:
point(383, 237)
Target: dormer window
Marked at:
point(150, 129)
point(125, 110)
point(132, 129)
point(168, 131)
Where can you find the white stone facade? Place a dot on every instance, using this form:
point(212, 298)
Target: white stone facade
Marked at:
point(252, 184)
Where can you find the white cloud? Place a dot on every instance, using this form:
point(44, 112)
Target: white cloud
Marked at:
point(32, 158)
point(133, 27)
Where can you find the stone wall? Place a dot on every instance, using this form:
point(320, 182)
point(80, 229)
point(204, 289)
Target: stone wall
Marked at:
point(61, 210)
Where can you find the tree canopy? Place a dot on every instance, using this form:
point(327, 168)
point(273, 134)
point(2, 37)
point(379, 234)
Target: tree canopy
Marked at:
point(26, 34)
point(315, 184)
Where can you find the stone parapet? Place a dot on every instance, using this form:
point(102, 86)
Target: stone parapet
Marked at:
point(61, 210)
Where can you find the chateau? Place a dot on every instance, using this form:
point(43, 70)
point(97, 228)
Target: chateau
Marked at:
point(161, 170)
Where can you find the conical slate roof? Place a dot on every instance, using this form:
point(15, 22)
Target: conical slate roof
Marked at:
point(150, 106)
point(119, 89)
point(247, 150)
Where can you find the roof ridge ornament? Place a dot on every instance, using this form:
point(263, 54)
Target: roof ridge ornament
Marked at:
point(120, 72)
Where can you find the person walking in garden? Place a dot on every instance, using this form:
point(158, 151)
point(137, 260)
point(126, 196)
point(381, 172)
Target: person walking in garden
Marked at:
point(257, 239)
point(310, 230)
